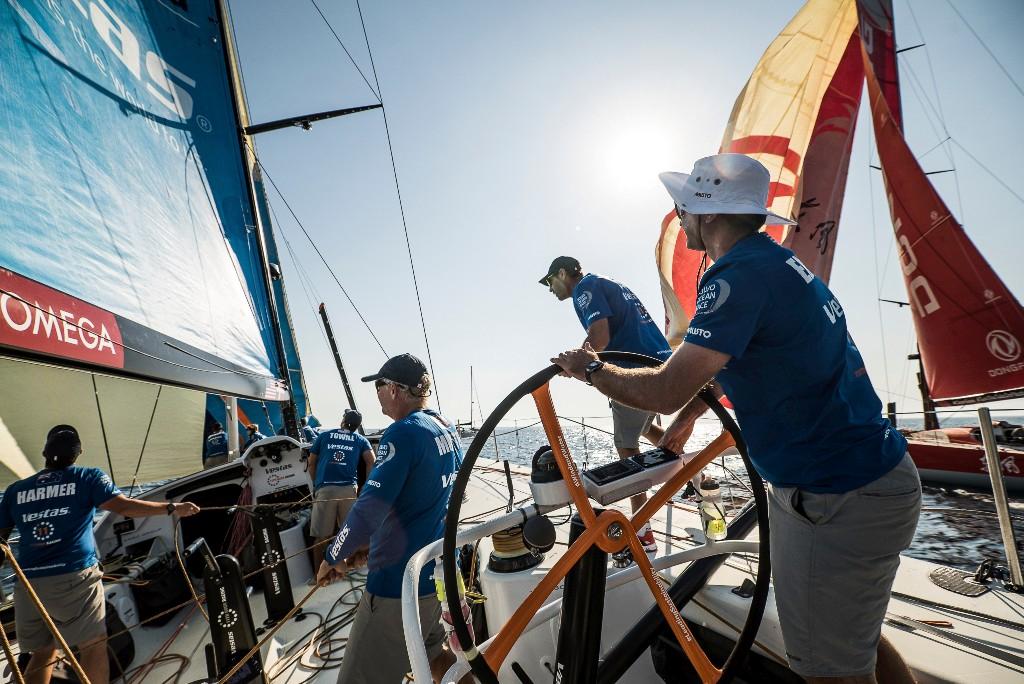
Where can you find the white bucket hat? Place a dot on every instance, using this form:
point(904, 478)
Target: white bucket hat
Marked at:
point(723, 184)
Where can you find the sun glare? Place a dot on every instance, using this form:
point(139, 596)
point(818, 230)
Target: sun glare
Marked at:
point(634, 155)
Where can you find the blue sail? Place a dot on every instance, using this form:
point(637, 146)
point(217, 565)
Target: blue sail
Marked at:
point(128, 227)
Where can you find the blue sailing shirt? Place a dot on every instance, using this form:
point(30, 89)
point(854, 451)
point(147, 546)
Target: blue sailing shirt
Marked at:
point(338, 452)
point(53, 512)
point(802, 395)
point(216, 445)
point(403, 504)
point(630, 327)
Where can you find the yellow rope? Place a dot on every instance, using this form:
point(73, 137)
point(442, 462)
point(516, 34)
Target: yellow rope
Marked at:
point(10, 657)
point(75, 665)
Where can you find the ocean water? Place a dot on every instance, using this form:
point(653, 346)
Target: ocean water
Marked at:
point(958, 527)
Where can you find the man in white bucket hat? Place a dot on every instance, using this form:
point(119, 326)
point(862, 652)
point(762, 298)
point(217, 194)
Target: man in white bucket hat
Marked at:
point(845, 497)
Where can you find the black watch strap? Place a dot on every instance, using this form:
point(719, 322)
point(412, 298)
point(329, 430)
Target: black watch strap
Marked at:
point(592, 368)
point(170, 508)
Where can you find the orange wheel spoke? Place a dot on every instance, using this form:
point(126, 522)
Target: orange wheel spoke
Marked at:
point(570, 473)
point(705, 668)
point(679, 480)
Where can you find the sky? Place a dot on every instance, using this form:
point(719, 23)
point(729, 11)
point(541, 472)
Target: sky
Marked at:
point(523, 131)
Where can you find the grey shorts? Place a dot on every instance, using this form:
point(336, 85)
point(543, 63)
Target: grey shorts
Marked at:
point(74, 601)
point(628, 424)
point(376, 651)
point(331, 505)
point(214, 461)
point(834, 558)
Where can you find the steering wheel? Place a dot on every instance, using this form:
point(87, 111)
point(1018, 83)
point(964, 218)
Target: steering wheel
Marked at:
point(597, 533)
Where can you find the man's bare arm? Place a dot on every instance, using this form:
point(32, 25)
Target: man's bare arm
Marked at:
point(599, 334)
point(137, 508)
point(663, 389)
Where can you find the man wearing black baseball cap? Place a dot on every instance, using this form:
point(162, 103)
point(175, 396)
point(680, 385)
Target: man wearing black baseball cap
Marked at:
point(400, 509)
point(333, 465)
point(615, 320)
point(53, 511)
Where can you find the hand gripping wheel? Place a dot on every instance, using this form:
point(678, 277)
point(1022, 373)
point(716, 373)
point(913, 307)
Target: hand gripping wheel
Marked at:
point(485, 665)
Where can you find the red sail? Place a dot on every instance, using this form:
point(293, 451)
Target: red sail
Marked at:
point(877, 33)
point(969, 326)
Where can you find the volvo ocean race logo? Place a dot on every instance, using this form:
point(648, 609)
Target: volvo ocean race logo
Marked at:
point(1003, 345)
point(712, 296)
point(584, 300)
point(384, 453)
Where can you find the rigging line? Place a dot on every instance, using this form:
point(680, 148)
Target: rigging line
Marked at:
point(350, 57)
point(990, 53)
point(103, 427)
point(874, 243)
point(401, 208)
point(316, 249)
point(145, 440)
point(988, 170)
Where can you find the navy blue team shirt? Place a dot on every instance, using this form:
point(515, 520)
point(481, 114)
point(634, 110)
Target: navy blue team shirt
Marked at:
point(338, 452)
point(802, 395)
point(403, 504)
point(53, 512)
point(630, 327)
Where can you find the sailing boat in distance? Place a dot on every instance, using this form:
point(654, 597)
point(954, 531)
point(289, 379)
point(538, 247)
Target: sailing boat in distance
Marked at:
point(468, 429)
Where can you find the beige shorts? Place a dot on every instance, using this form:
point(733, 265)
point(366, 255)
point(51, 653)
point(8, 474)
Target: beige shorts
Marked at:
point(376, 651)
point(215, 461)
point(331, 505)
point(74, 601)
point(628, 424)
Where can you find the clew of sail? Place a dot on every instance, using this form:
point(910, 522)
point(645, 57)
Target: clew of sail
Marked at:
point(796, 115)
point(969, 325)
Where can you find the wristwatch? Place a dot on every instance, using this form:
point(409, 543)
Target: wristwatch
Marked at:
point(170, 508)
point(592, 368)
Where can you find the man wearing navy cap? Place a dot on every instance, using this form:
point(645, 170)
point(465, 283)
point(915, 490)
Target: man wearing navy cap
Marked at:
point(400, 509)
point(844, 495)
point(53, 511)
point(615, 320)
point(333, 465)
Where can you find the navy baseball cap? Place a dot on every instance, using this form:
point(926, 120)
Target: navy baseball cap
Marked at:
point(62, 442)
point(405, 369)
point(567, 262)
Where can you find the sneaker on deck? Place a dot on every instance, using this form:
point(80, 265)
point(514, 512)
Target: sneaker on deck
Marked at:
point(646, 536)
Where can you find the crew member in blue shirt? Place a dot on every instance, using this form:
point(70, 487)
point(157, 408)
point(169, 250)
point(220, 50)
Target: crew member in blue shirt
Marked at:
point(615, 320)
point(400, 509)
point(216, 452)
point(53, 511)
point(334, 465)
point(253, 435)
point(844, 495)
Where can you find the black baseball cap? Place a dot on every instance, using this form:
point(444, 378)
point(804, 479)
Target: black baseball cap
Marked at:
point(62, 443)
point(405, 369)
point(352, 418)
point(567, 262)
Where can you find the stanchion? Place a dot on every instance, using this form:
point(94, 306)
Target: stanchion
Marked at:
point(995, 473)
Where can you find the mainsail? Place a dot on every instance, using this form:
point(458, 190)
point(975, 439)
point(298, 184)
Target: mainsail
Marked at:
point(130, 248)
point(121, 191)
point(796, 115)
point(969, 325)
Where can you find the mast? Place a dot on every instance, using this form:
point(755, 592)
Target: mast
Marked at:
point(931, 419)
point(337, 360)
point(471, 397)
point(288, 410)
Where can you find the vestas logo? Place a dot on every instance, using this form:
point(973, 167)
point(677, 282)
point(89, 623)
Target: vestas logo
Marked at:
point(39, 318)
point(1003, 345)
point(168, 85)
